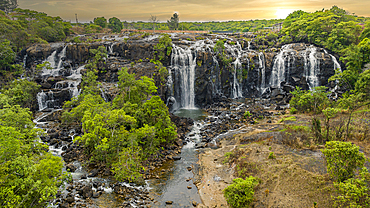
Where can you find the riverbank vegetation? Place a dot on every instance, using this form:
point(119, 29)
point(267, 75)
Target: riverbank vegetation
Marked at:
point(126, 132)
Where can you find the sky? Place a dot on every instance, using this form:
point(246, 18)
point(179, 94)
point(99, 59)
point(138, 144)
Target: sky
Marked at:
point(188, 10)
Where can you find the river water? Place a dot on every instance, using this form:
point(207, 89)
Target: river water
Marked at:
point(175, 178)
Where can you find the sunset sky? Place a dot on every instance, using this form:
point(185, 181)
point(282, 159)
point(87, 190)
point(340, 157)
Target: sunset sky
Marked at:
point(189, 10)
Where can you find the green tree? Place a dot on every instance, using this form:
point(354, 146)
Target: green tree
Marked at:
point(342, 159)
point(173, 23)
point(22, 92)
point(115, 24)
point(7, 55)
point(164, 47)
point(240, 193)
point(29, 176)
point(310, 101)
point(101, 21)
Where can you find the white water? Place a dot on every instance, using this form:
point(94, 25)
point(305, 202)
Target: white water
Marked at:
point(184, 63)
point(262, 74)
point(278, 72)
point(56, 62)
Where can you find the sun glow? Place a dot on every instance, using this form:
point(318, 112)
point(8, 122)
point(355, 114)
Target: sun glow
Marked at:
point(283, 13)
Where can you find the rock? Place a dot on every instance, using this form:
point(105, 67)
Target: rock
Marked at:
point(71, 168)
point(70, 199)
point(189, 187)
point(96, 195)
point(93, 173)
point(194, 203)
point(84, 176)
point(87, 192)
point(176, 158)
point(64, 205)
point(169, 202)
point(189, 168)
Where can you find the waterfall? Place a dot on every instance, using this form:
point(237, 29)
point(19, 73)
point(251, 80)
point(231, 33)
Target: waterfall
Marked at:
point(262, 73)
point(62, 55)
point(278, 70)
point(25, 61)
point(55, 61)
point(45, 100)
point(237, 89)
point(311, 67)
point(184, 64)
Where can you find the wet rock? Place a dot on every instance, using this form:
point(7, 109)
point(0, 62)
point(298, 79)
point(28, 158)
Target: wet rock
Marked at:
point(87, 192)
point(70, 199)
point(176, 158)
point(169, 202)
point(189, 187)
point(64, 205)
point(93, 173)
point(71, 168)
point(96, 195)
point(84, 176)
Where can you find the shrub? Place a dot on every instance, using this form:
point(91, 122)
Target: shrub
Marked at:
point(247, 114)
point(354, 192)
point(272, 155)
point(240, 193)
point(310, 101)
point(342, 159)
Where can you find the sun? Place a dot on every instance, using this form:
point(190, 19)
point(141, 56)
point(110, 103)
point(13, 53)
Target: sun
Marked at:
point(283, 13)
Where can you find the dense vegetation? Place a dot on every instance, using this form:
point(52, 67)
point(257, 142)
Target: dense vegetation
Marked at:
point(29, 175)
point(125, 132)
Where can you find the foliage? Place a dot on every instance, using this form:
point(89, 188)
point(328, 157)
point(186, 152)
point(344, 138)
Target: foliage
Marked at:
point(21, 92)
point(362, 85)
point(29, 176)
point(342, 159)
point(173, 23)
point(164, 47)
point(7, 55)
point(247, 114)
point(354, 192)
point(8, 5)
point(101, 21)
point(309, 101)
point(115, 24)
point(128, 166)
point(240, 193)
point(272, 155)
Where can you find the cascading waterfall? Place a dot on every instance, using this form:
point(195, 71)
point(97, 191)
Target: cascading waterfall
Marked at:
point(278, 69)
point(262, 73)
point(53, 59)
point(48, 100)
point(311, 67)
point(184, 63)
point(45, 100)
point(237, 88)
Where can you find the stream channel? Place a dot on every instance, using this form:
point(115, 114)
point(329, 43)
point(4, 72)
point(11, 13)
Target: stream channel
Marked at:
point(174, 182)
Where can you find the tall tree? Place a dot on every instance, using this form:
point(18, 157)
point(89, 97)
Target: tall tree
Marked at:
point(101, 21)
point(173, 23)
point(115, 24)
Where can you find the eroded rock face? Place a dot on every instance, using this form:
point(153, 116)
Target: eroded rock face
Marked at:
point(241, 72)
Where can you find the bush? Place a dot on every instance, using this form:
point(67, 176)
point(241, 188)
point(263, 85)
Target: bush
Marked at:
point(272, 155)
point(240, 193)
point(354, 192)
point(310, 101)
point(342, 159)
point(247, 114)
